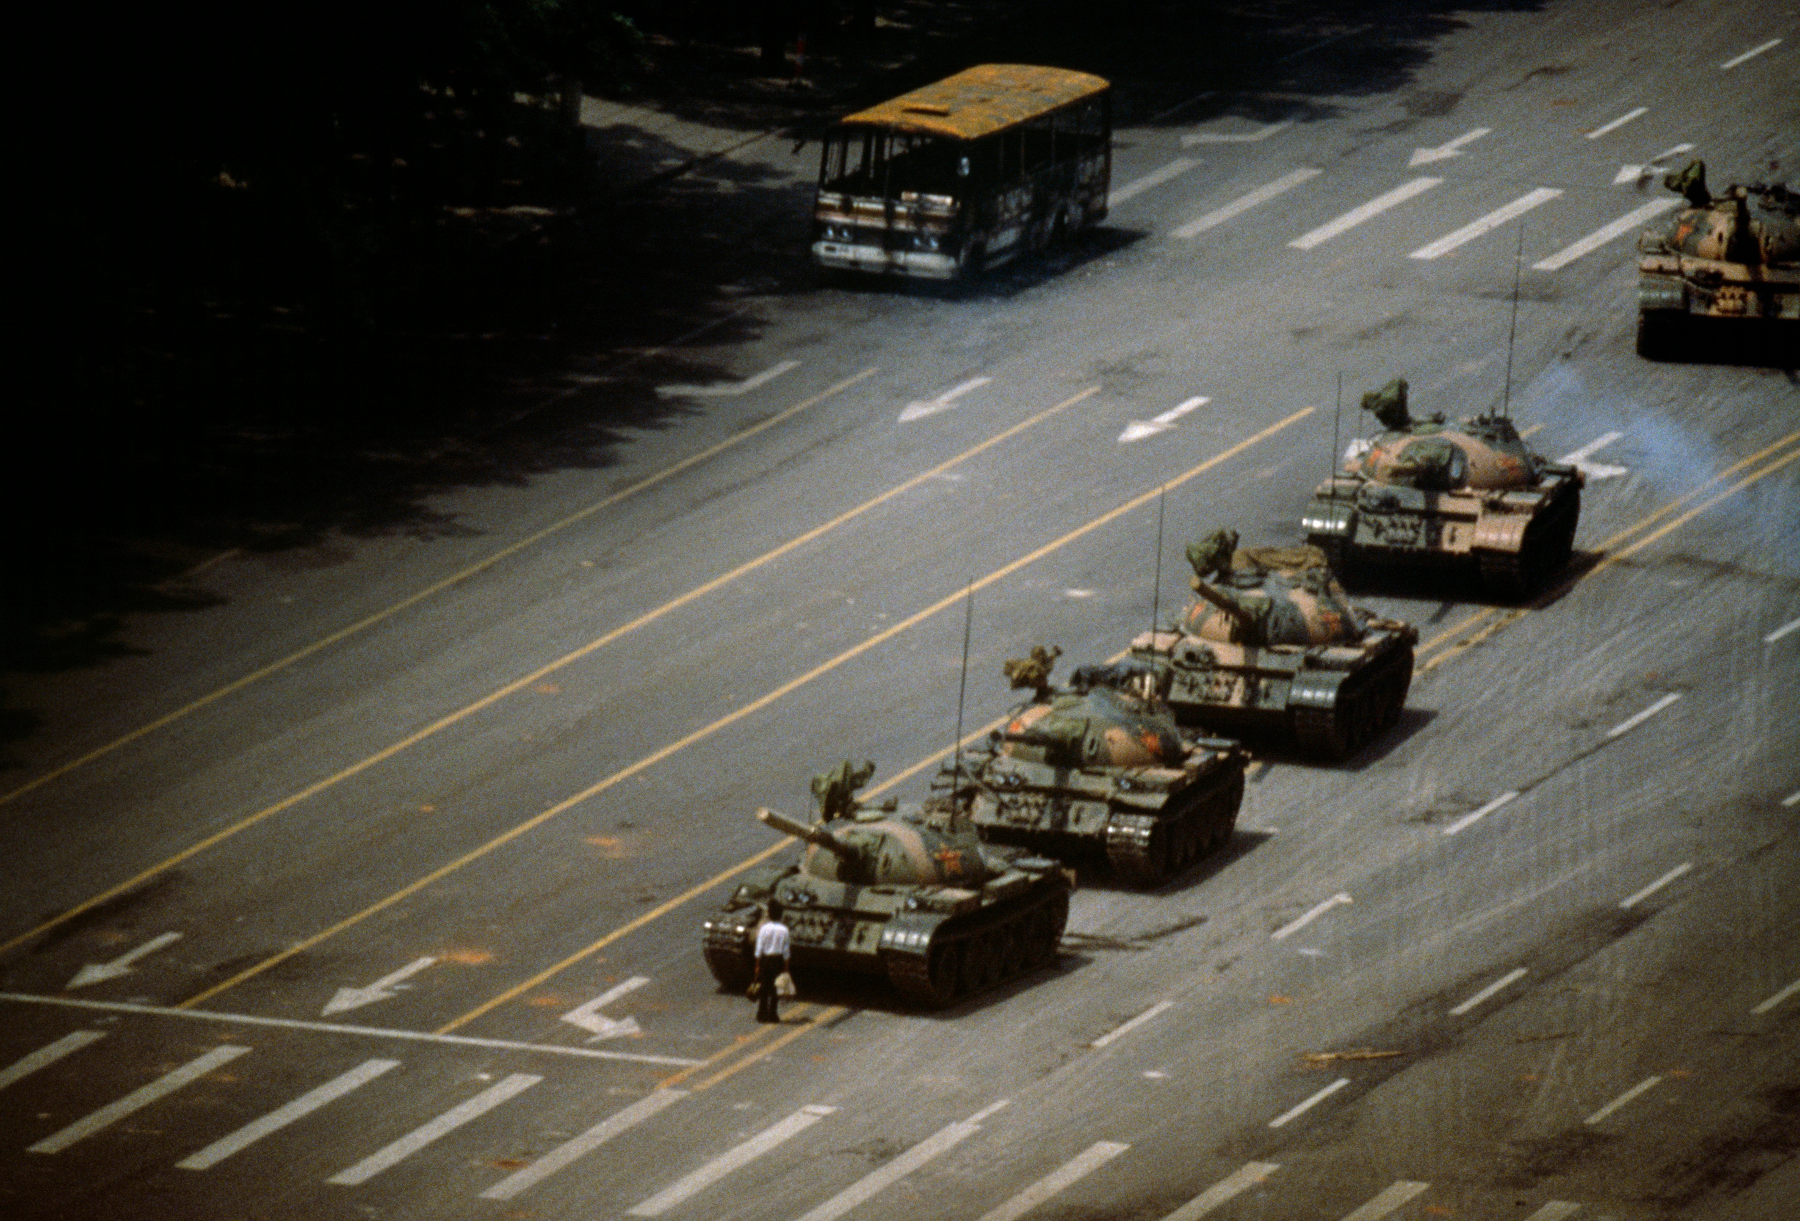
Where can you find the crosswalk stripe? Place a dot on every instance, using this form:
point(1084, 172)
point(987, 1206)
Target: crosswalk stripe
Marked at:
point(444, 1124)
point(281, 1117)
point(1356, 216)
point(26, 1065)
point(137, 1100)
point(1237, 1182)
point(1075, 1169)
point(1606, 233)
point(1555, 1210)
point(935, 1145)
point(1261, 195)
point(730, 1160)
point(588, 1141)
point(1390, 1199)
point(1486, 224)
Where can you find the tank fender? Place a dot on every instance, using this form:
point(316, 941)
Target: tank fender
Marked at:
point(1500, 532)
point(1316, 689)
point(1662, 292)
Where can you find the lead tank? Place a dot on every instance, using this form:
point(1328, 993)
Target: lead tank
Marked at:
point(1732, 255)
point(1274, 645)
point(1431, 492)
point(1101, 768)
point(910, 893)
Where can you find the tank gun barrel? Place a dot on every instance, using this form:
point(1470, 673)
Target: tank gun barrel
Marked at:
point(1237, 614)
point(812, 835)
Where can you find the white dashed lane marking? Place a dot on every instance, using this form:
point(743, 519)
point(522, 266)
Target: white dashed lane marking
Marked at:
point(941, 1142)
point(1752, 53)
point(728, 389)
point(1642, 1087)
point(1154, 178)
point(1510, 978)
point(1073, 1171)
point(1775, 1000)
point(1632, 722)
point(1235, 1184)
point(1295, 1112)
point(1640, 896)
point(1390, 1199)
point(1792, 625)
point(1294, 926)
point(1446, 150)
point(1617, 123)
point(1133, 1024)
point(1261, 195)
point(1606, 233)
point(1487, 224)
point(1356, 216)
point(1475, 816)
point(1255, 137)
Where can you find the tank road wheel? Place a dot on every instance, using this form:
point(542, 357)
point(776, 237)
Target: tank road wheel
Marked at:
point(945, 972)
point(1322, 732)
point(1012, 948)
point(1047, 931)
point(981, 964)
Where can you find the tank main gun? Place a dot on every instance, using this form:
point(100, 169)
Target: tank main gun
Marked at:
point(815, 836)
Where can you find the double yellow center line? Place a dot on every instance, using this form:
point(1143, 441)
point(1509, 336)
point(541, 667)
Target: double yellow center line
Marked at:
point(1454, 641)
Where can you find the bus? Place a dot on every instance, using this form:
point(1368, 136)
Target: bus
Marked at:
point(964, 174)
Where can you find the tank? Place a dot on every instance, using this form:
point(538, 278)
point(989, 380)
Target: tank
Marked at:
point(908, 892)
point(1273, 645)
point(1732, 255)
point(1465, 495)
point(1102, 769)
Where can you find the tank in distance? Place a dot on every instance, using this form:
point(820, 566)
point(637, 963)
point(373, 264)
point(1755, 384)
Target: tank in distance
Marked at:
point(1272, 645)
point(1734, 255)
point(911, 893)
point(1430, 492)
point(1101, 769)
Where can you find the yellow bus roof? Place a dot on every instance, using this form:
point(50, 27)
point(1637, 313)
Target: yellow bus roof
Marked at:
point(981, 100)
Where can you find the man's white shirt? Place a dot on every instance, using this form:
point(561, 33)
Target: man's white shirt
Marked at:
point(772, 938)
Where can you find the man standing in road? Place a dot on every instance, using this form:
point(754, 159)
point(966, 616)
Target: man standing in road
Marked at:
point(772, 941)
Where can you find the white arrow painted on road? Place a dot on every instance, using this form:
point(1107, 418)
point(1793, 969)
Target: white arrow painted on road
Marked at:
point(1139, 429)
point(1260, 134)
point(721, 389)
point(95, 973)
point(1632, 173)
point(590, 1019)
point(1595, 470)
point(385, 988)
point(1443, 152)
point(943, 402)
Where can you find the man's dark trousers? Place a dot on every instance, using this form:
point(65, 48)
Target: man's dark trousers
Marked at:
point(768, 966)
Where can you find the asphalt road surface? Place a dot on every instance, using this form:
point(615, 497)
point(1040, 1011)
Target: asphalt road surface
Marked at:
point(375, 889)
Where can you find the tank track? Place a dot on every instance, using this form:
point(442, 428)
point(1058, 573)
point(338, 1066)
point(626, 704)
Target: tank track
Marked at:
point(1366, 707)
point(1544, 552)
point(964, 958)
point(727, 952)
point(1148, 849)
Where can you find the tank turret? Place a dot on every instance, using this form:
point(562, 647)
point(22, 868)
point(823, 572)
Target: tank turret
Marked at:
point(1433, 492)
point(1735, 255)
point(1274, 645)
point(909, 892)
point(1101, 769)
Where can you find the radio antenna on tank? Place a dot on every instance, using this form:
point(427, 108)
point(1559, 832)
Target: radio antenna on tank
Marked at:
point(962, 686)
point(1337, 411)
point(1512, 328)
point(1162, 496)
